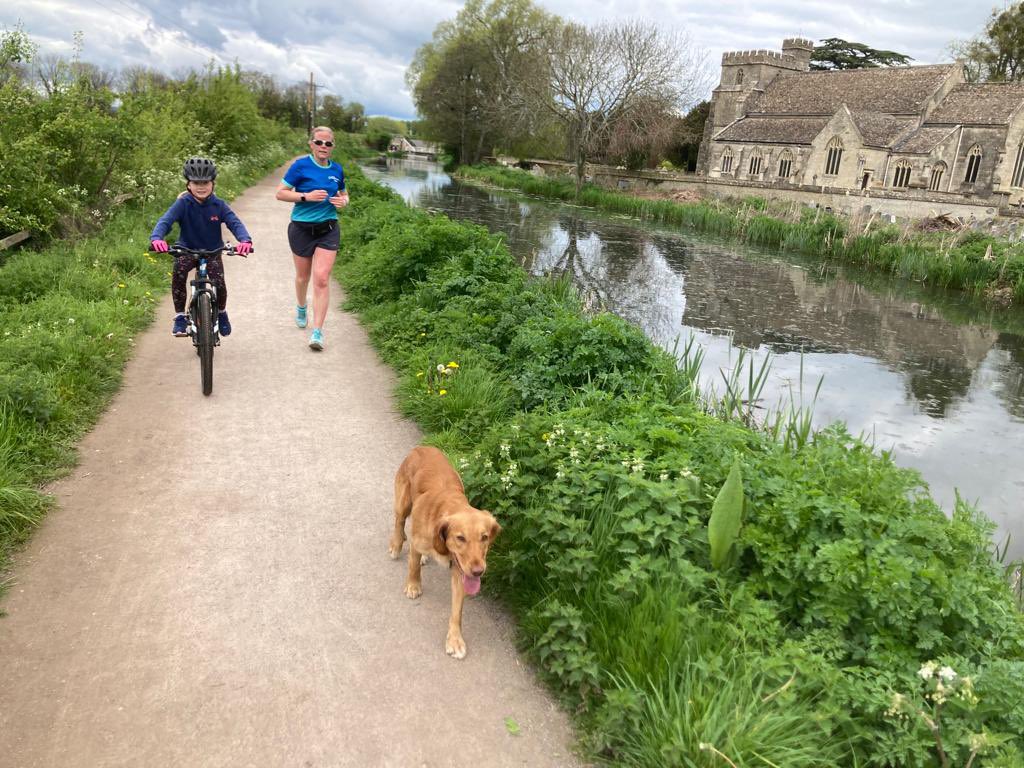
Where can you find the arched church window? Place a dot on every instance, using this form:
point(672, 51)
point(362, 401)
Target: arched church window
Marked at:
point(902, 176)
point(1017, 180)
point(833, 157)
point(756, 161)
point(973, 165)
point(727, 160)
point(785, 164)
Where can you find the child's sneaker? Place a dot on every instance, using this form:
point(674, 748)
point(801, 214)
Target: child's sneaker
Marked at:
point(300, 316)
point(316, 341)
point(180, 325)
point(223, 323)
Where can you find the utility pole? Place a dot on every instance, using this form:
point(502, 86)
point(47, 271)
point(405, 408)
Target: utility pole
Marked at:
point(311, 103)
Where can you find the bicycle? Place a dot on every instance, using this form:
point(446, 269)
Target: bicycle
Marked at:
point(202, 311)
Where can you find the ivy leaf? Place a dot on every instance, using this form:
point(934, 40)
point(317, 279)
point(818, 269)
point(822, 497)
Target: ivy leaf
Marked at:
point(726, 517)
point(511, 726)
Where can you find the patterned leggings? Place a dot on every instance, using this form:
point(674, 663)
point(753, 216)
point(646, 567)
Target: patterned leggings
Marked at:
point(185, 263)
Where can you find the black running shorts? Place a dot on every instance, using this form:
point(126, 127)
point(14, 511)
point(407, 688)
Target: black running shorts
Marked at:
point(305, 237)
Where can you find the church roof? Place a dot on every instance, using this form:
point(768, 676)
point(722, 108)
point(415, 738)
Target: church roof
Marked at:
point(890, 90)
point(775, 130)
point(923, 140)
point(979, 104)
point(880, 130)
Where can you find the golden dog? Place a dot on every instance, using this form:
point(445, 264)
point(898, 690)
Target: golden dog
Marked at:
point(445, 527)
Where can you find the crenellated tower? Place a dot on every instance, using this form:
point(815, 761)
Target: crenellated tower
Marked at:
point(745, 75)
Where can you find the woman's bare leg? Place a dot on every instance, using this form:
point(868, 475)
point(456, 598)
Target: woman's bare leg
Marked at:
point(303, 269)
point(323, 262)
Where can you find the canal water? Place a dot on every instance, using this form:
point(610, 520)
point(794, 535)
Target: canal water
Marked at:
point(933, 377)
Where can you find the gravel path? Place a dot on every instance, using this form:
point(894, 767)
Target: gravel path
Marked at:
point(214, 588)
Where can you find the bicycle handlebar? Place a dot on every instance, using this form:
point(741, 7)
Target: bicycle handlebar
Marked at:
point(174, 249)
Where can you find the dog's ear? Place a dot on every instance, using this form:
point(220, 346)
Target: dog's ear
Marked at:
point(495, 530)
point(440, 539)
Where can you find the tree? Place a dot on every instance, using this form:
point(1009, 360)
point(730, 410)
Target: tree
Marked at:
point(997, 55)
point(689, 132)
point(640, 135)
point(600, 77)
point(16, 51)
point(470, 81)
point(836, 53)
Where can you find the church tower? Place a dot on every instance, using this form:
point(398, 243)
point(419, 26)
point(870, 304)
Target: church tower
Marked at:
point(745, 75)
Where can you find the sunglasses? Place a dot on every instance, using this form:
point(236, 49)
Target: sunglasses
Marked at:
point(322, 143)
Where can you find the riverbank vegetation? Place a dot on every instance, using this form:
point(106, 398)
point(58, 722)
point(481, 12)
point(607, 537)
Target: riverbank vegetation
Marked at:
point(816, 608)
point(968, 260)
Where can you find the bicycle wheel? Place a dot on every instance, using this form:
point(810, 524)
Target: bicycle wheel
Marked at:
point(204, 340)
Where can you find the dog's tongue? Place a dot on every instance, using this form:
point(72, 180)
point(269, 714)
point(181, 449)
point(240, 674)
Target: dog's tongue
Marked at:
point(471, 584)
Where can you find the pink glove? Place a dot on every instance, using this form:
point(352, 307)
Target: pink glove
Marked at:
point(243, 248)
point(160, 246)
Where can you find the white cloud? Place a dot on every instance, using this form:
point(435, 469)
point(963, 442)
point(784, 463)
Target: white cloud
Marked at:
point(359, 50)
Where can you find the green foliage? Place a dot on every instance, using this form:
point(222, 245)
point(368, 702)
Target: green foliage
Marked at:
point(82, 149)
point(594, 454)
point(471, 82)
point(997, 53)
point(835, 53)
point(726, 518)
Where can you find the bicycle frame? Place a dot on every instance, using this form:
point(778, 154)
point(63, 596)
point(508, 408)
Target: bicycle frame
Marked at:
point(201, 284)
point(202, 311)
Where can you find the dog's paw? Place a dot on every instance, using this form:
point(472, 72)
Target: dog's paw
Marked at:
point(394, 551)
point(424, 559)
point(412, 591)
point(455, 646)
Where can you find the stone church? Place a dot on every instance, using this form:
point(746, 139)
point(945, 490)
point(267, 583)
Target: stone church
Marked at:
point(920, 132)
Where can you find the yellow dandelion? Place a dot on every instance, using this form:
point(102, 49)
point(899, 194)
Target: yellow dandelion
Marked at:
point(443, 392)
point(453, 365)
point(120, 285)
point(419, 374)
point(421, 335)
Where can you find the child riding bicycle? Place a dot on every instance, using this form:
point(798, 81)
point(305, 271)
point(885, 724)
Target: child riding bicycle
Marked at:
point(199, 214)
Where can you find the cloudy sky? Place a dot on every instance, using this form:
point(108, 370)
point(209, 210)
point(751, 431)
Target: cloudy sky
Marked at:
point(359, 49)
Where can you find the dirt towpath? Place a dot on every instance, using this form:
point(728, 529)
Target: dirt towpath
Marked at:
point(214, 588)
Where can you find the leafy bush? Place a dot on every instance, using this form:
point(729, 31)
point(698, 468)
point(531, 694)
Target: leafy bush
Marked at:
point(844, 578)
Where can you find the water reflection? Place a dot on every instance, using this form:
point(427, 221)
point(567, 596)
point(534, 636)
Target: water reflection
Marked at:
point(933, 377)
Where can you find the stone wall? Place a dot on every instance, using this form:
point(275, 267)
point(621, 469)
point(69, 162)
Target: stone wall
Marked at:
point(910, 204)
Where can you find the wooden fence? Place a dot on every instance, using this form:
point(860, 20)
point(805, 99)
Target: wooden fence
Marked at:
point(14, 239)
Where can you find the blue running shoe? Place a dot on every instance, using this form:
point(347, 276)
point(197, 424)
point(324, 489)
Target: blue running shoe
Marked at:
point(300, 316)
point(180, 325)
point(316, 341)
point(223, 323)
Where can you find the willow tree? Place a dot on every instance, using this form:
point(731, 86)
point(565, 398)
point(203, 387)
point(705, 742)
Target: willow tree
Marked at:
point(469, 82)
point(603, 78)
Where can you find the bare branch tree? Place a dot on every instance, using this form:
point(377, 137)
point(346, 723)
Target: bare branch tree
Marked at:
point(614, 74)
point(53, 73)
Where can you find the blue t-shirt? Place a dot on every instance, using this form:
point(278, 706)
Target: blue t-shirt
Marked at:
point(200, 223)
point(305, 175)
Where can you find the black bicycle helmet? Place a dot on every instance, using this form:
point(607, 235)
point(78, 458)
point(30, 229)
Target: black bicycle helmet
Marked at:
point(199, 169)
